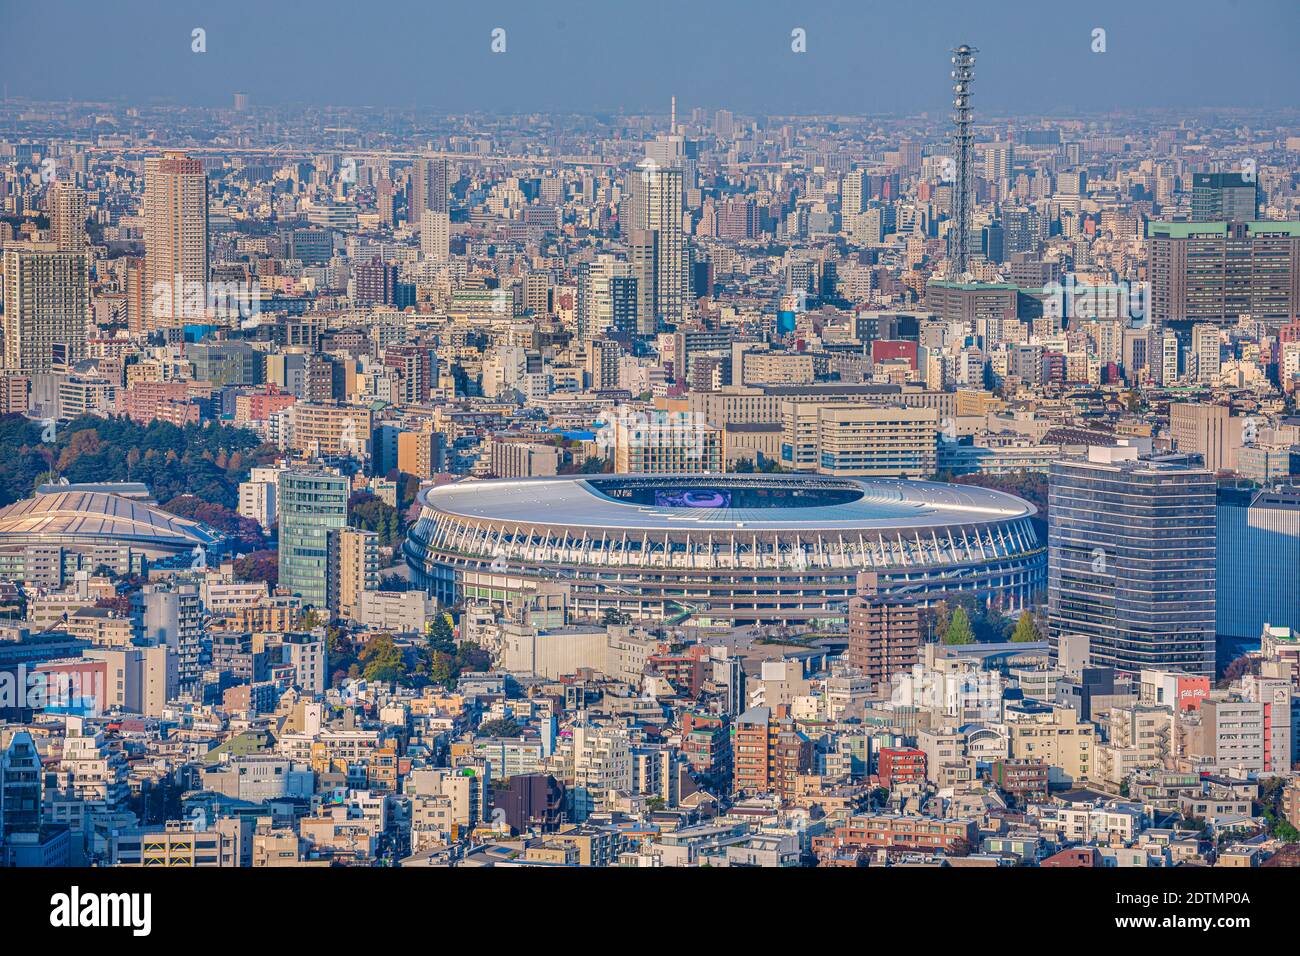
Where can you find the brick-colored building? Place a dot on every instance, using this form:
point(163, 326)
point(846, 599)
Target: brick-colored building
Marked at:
point(884, 636)
point(955, 837)
point(901, 765)
point(768, 754)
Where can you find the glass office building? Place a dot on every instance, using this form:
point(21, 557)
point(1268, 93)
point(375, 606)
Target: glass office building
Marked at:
point(1131, 561)
point(1258, 533)
point(311, 505)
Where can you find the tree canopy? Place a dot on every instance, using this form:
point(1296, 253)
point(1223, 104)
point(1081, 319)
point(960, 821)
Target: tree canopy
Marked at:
point(1026, 631)
point(205, 461)
point(959, 629)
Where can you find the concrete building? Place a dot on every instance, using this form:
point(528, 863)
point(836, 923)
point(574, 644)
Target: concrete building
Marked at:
point(46, 307)
point(852, 440)
point(1207, 430)
point(1216, 272)
point(353, 568)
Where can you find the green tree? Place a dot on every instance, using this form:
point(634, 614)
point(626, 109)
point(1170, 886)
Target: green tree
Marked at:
point(341, 653)
point(442, 636)
point(505, 727)
point(1026, 631)
point(442, 668)
point(371, 514)
point(959, 629)
point(383, 660)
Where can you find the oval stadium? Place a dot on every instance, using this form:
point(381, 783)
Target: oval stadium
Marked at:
point(727, 549)
point(65, 527)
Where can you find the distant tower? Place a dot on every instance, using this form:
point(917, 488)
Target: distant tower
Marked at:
point(963, 73)
point(175, 240)
point(241, 102)
point(672, 120)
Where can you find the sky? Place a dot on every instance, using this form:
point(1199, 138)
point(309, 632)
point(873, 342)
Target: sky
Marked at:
point(862, 57)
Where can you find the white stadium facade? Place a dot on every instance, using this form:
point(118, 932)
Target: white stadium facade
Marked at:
point(725, 549)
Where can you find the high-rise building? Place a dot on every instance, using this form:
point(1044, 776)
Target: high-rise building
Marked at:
point(175, 240)
point(884, 636)
point(67, 210)
point(1258, 552)
point(419, 453)
point(737, 218)
point(853, 198)
point(1224, 197)
point(353, 568)
point(435, 235)
point(171, 616)
point(1217, 272)
point(999, 157)
point(600, 362)
point(428, 189)
point(769, 753)
point(20, 788)
point(47, 307)
point(313, 247)
point(375, 283)
point(1131, 560)
point(311, 504)
point(329, 430)
point(595, 306)
point(1162, 356)
point(385, 195)
point(657, 245)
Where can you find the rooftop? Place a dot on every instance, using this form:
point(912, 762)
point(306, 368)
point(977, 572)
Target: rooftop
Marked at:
point(726, 502)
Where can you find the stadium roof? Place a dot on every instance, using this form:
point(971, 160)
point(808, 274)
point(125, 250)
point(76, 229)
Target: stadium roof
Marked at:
point(66, 514)
point(576, 501)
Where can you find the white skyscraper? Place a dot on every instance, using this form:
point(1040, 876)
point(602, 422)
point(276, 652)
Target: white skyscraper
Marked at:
point(435, 235)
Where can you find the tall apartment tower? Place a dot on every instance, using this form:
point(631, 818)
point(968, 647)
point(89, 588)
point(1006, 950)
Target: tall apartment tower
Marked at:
point(47, 306)
point(175, 240)
point(885, 633)
point(428, 188)
point(999, 158)
point(67, 210)
point(963, 140)
point(1131, 561)
point(596, 294)
point(657, 245)
point(353, 568)
point(435, 235)
point(853, 193)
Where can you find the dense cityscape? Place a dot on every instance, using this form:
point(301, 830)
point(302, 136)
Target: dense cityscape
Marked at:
point(696, 487)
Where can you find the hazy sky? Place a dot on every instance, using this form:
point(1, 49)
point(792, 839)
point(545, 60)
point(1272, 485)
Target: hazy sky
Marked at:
point(862, 56)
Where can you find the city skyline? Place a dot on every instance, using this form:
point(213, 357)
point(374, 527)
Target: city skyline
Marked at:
point(684, 437)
